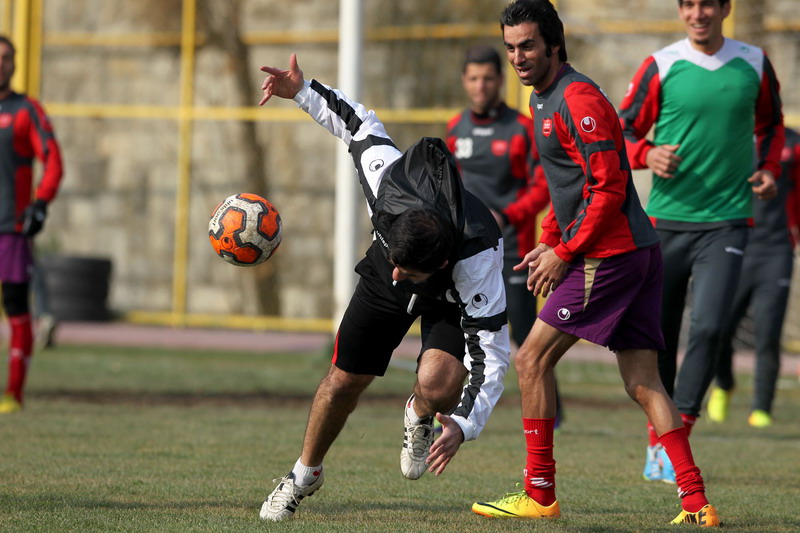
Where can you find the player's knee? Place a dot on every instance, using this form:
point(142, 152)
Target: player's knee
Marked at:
point(529, 364)
point(347, 384)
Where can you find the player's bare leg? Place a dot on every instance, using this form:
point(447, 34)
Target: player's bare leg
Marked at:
point(535, 363)
point(639, 370)
point(440, 378)
point(336, 397)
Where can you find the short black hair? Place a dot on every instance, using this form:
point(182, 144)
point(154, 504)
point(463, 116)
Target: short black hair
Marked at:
point(721, 2)
point(421, 239)
point(542, 13)
point(5, 40)
point(482, 54)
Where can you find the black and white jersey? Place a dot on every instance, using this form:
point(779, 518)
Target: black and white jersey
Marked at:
point(426, 176)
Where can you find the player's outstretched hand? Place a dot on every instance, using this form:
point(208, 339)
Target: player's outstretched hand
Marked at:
point(445, 447)
point(282, 83)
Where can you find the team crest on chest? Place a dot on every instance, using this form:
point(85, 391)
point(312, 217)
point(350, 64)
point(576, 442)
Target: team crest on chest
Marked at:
point(547, 127)
point(499, 147)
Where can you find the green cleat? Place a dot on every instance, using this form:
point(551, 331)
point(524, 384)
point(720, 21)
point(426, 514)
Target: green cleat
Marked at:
point(759, 419)
point(718, 403)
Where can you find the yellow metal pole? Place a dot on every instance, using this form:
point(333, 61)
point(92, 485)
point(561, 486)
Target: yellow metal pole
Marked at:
point(35, 50)
point(5, 13)
point(729, 24)
point(180, 260)
point(21, 37)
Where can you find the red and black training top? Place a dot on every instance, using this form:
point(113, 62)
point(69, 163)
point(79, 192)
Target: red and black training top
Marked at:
point(595, 208)
point(25, 133)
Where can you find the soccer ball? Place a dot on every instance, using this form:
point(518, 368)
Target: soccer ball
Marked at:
point(245, 229)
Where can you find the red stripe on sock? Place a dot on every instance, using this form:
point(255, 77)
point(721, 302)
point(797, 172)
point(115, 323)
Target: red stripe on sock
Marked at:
point(540, 469)
point(690, 483)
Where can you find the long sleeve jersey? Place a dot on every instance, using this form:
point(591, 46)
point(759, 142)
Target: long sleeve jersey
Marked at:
point(25, 133)
point(595, 210)
point(499, 163)
point(709, 105)
point(773, 218)
point(426, 176)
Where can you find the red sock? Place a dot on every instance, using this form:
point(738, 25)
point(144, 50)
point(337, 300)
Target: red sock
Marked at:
point(691, 488)
point(651, 434)
point(688, 423)
point(19, 354)
point(540, 469)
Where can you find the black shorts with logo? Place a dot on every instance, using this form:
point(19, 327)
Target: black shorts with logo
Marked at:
point(379, 315)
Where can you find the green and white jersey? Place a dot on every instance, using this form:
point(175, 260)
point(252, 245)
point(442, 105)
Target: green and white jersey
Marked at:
point(711, 106)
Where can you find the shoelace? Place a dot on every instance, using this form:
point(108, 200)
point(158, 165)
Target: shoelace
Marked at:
point(420, 440)
point(280, 499)
point(513, 497)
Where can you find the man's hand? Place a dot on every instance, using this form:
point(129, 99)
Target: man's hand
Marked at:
point(764, 185)
point(663, 160)
point(35, 214)
point(545, 269)
point(282, 83)
point(445, 447)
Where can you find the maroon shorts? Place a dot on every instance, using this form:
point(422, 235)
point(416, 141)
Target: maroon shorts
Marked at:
point(613, 302)
point(16, 258)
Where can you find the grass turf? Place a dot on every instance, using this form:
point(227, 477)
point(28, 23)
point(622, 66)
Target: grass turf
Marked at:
point(137, 440)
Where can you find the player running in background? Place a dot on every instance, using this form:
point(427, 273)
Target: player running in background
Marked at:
point(437, 254)
point(497, 159)
point(25, 133)
point(598, 258)
point(706, 95)
point(764, 285)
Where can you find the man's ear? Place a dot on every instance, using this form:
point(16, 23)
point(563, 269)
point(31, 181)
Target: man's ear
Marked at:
point(443, 264)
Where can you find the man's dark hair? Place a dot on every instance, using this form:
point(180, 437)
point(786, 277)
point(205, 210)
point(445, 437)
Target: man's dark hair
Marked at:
point(5, 40)
point(421, 239)
point(542, 13)
point(482, 55)
point(721, 2)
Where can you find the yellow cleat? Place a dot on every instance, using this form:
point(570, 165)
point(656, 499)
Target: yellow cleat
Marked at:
point(516, 505)
point(760, 419)
point(9, 404)
point(718, 403)
point(705, 517)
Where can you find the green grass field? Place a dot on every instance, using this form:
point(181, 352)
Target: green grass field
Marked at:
point(135, 440)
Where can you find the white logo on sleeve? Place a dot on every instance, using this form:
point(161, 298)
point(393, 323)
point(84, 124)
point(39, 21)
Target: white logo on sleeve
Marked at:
point(588, 124)
point(563, 313)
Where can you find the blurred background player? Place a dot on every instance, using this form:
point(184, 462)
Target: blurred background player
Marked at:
point(599, 259)
point(498, 162)
point(706, 96)
point(764, 286)
point(436, 254)
point(25, 133)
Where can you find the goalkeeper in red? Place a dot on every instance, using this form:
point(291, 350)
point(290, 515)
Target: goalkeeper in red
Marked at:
point(25, 133)
point(599, 260)
point(707, 97)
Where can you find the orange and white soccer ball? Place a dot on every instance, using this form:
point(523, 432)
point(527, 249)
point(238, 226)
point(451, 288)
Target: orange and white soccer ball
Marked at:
point(245, 229)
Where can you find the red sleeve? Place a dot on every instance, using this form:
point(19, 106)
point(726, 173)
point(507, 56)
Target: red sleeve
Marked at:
point(551, 234)
point(770, 135)
point(793, 199)
point(639, 110)
point(47, 151)
point(595, 121)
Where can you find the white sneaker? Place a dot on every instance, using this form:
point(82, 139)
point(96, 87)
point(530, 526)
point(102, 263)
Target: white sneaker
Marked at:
point(417, 442)
point(283, 501)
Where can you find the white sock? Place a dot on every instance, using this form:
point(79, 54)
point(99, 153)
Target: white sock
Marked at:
point(412, 415)
point(305, 475)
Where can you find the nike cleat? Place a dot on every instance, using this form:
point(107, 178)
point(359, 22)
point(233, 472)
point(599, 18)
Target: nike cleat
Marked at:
point(705, 517)
point(759, 419)
point(516, 505)
point(718, 403)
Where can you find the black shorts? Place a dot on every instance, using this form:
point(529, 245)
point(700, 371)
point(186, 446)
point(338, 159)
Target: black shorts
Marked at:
point(378, 317)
